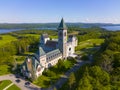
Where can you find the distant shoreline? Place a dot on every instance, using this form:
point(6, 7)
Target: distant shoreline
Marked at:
point(109, 28)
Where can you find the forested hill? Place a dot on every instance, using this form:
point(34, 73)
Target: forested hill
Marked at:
point(104, 73)
point(50, 25)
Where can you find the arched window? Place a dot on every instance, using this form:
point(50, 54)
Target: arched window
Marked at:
point(69, 49)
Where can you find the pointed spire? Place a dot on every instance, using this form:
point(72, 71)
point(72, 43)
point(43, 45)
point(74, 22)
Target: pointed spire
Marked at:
point(62, 25)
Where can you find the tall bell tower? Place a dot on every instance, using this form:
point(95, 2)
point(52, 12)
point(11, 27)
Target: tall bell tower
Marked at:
point(62, 38)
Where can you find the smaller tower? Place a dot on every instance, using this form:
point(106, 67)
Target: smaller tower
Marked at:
point(43, 39)
point(73, 40)
point(62, 38)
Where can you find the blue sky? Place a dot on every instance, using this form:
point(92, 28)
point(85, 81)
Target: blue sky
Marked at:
point(42, 11)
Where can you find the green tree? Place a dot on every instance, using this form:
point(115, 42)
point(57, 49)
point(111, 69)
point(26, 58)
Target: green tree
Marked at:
point(71, 80)
point(84, 84)
point(97, 73)
point(60, 65)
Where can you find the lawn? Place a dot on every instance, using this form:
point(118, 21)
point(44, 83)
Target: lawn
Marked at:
point(90, 43)
point(54, 37)
point(88, 46)
point(4, 69)
point(51, 75)
point(33, 35)
point(6, 39)
point(4, 84)
point(14, 87)
point(38, 36)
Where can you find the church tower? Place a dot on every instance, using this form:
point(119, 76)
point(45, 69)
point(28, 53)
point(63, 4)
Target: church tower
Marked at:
point(62, 38)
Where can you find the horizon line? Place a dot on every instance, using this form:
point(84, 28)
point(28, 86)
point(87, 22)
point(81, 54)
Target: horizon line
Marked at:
point(56, 22)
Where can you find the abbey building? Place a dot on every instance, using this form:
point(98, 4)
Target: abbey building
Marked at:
point(50, 51)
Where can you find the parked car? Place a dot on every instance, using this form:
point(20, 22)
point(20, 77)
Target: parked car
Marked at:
point(18, 80)
point(27, 83)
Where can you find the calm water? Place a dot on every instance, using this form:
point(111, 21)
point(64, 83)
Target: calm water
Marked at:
point(112, 28)
point(11, 30)
point(8, 30)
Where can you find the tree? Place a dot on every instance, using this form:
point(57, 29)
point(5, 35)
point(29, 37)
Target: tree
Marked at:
point(54, 88)
point(98, 74)
point(60, 65)
point(84, 84)
point(116, 60)
point(71, 80)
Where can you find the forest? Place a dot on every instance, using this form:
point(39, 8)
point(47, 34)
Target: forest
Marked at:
point(15, 46)
point(104, 73)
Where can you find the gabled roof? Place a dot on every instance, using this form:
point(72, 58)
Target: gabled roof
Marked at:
point(62, 25)
point(53, 52)
point(41, 51)
point(51, 44)
point(34, 61)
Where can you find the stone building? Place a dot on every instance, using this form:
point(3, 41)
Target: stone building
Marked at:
point(50, 51)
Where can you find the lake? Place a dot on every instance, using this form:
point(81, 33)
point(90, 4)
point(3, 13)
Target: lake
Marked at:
point(112, 28)
point(8, 30)
point(11, 30)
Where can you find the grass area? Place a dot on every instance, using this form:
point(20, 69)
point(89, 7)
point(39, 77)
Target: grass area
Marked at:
point(90, 43)
point(38, 36)
point(6, 39)
point(51, 75)
point(34, 35)
point(14, 87)
point(4, 69)
point(54, 37)
point(88, 46)
point(4, 84)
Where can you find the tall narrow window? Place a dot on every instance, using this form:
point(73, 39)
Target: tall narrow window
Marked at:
point(65, 34)
point(69, 49)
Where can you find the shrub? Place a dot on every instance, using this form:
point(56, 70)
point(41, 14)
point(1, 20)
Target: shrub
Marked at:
point(1, 38)
point(84, 57)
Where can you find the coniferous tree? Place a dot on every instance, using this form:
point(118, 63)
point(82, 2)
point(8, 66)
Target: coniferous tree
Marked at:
point(71, 80)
